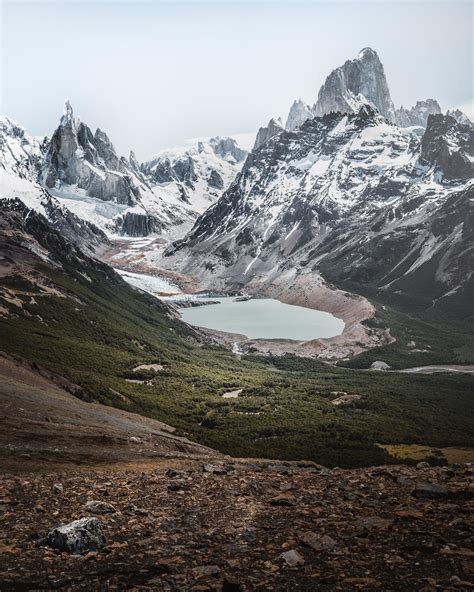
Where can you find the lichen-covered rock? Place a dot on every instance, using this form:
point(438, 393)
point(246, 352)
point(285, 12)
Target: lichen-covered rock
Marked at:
point(77, 537)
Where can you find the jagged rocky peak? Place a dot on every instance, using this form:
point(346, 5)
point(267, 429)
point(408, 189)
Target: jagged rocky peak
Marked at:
point(20, 153)
point(228, 149)
point(67, 119)
point(273, 128)
point(418, 114)
point(358, 81)
point(75, 156)
point(458, 115)
point(449, 146)
point(299, 113)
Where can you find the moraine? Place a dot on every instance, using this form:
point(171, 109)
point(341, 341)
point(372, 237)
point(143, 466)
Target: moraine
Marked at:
point(264, 319)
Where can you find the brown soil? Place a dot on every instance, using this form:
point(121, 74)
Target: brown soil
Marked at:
point(200, 530)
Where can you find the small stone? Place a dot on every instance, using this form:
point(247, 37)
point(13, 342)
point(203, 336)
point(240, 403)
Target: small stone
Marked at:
point(206, 571)
point(317, 542)
point(171, 473)
point(423, 465)
point(214, 469)
point(58, 488)
point(139, 511)
point(372, 522)
point(281, 500)
point(231, 584)
point(98, 507)
point(78, 537)
point(292, 558)
point(426, 490)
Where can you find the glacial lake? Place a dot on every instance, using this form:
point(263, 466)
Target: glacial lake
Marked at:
point(263, 319)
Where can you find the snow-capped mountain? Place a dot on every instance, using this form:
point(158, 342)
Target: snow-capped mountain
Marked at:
point(359, 82)
point(354, 196)
point(21, 157)
point(195, 176)
point(83, 172)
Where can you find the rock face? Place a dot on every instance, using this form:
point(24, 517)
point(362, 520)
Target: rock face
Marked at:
point(299, 113)
point(273, 128)
point(417, 115)
point(137, 224)
point(449, 145)
point(75, 156)
point(459, 116)
point(358, 81)
point(77, 537)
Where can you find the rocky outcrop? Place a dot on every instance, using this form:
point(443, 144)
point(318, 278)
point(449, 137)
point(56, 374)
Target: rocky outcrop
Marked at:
point(273, 128)
point(417, 115)
point(215, 180)
point(459, 116)
point(358, 81)
point(137, 224)
point(226, 148)
point(299, 113)
point(449, 146)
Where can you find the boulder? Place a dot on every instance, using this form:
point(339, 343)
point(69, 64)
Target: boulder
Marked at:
point(78, 537)
point(292, 558)
point(380, 365)
point(316, 541)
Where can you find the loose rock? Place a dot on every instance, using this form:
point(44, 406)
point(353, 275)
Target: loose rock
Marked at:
point(78, 537)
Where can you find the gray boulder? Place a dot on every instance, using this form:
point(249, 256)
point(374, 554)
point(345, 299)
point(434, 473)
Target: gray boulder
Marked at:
point(380, 365)
point(78, 537)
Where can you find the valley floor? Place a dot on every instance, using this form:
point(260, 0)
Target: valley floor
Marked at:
point(244, 526)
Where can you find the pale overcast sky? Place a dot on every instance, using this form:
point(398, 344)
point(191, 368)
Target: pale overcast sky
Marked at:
point(152, 74)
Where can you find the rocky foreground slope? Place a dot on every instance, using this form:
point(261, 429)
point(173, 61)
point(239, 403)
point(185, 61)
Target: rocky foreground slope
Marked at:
point(239, 525)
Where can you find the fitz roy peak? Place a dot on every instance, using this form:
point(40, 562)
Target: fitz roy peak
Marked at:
point(357, 82)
